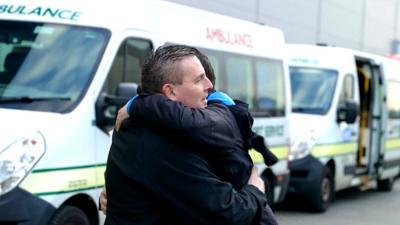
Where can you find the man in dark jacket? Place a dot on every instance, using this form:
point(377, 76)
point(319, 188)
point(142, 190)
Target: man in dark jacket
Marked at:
point(228, 158)
point(154, 178)
point(231, 163)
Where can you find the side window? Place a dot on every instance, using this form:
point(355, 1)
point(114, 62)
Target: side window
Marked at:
point(347, 89)
point(270, 91)
point(393, 99)
point(260, 82)
point(239, 79)
point(217, 71)
point(127, 64)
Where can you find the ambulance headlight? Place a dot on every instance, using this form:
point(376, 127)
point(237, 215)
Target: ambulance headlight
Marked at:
point(302, 146)
point(299, 150)
point(19, 158)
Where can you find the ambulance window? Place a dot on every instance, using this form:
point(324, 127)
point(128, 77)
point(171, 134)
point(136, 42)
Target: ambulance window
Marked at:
point(393, 99)
point(217, 70)
point(239, 78)
point(127, 64)
point(312, 89)
point(257, 81)
point(217, 63)
point(347, 89)
point(270, 87)
point(52, 65)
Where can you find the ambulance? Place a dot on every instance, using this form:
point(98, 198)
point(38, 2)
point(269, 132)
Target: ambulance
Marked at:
point(67, 66)
point(344, 124)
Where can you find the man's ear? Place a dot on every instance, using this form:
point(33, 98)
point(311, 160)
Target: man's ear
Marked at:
point(168, 91)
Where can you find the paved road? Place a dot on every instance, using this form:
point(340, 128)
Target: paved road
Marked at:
point(350, 208)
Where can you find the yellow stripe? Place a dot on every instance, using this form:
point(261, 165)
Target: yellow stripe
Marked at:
point(334, 149)
point(100, 175)
point(392, 144)
point(66, 180)
point(349, 147)
point(281, 152)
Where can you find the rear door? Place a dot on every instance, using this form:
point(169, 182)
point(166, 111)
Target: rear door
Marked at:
point(372, 122)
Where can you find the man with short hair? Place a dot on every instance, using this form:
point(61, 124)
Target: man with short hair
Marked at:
point(154, 178)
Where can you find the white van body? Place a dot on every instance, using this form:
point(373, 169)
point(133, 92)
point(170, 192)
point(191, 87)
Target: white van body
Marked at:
point(61, 63)
point(333, 152)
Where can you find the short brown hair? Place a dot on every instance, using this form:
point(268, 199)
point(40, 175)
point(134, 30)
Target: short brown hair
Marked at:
point(162, 67)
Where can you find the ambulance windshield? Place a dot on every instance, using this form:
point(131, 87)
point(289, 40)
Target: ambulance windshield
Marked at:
point(47, 67)
point(312, 89)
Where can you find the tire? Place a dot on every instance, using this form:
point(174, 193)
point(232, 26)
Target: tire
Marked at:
point(69, 215)
point(322, 192)
point(269, 192)
point(386, 184)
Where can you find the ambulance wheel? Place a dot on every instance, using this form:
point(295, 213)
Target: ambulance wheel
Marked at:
point(69, 215)
point(386, 184)
point(323, 191)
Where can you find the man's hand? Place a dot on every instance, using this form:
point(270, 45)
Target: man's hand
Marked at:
point(103, 201)
point(256, 180)
point(122, 115)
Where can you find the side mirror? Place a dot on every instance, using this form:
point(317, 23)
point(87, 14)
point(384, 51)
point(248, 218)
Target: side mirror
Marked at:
point(347, 112)
point(124, 92)
point(127, 90)
point(107, 105)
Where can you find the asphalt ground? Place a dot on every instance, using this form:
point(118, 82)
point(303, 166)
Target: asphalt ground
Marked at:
point(351, 207)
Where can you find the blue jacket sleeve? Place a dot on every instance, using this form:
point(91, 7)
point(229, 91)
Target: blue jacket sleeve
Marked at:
point(220, 97)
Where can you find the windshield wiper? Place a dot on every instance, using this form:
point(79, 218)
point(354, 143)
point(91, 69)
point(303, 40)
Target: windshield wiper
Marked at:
point(310, 110)
point(299, 109)
point(27, 99)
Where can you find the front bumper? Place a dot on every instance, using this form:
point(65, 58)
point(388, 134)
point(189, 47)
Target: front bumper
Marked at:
point(19, 207)
point(303, 175)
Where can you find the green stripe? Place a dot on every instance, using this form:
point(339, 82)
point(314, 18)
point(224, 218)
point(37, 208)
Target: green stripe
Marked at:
point(68, 168)
point(64, 192)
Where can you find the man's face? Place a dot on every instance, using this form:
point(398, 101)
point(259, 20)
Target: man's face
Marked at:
point(195, 85)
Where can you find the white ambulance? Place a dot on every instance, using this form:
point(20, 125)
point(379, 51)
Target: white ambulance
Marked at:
point(344, 124)
point(66, 67)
